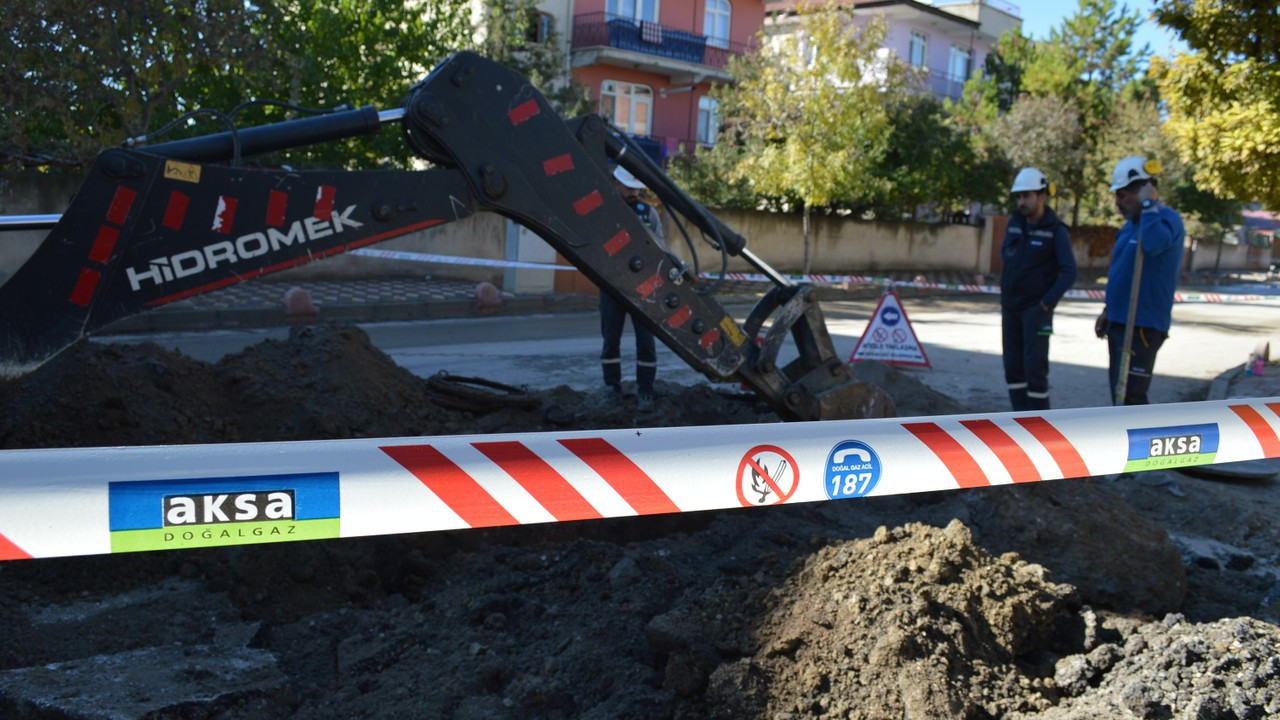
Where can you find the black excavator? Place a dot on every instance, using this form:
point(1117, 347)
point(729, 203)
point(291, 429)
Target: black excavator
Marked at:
point(155, 223)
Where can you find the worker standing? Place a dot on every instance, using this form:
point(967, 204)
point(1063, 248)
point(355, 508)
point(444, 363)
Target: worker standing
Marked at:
point(1160, 231)
point(1039, 268)
point(613, 315)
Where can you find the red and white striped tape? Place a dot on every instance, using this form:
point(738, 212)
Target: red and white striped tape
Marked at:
point(1180, 297)
point(102, 500)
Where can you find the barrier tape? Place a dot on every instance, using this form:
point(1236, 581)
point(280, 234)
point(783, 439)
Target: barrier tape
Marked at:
point(107, 500)
point(454, 259)
point(1178, 297)
point(1099, 295)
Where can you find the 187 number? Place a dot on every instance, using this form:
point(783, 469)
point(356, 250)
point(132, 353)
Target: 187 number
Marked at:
point(851, 485)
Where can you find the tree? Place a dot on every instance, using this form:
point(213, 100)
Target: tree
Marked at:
point(1223, 97)
point(995, 88)
point(929, 160)
point(510, 37)
point(810, 112)
point(84, 76)
point(1087, 63)
point(326, 53)
point(1044, 133)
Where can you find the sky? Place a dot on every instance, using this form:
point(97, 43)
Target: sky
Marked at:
point(1038, 16)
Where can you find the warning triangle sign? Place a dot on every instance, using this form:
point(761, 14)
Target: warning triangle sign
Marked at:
point(889, 336)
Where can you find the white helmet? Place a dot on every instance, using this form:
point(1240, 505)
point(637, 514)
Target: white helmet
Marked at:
point(1030, 180)
point(625, 177)
point(1133, 169)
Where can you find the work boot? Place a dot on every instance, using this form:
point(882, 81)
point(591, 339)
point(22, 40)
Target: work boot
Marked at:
point(612, 398)
point(644, 402)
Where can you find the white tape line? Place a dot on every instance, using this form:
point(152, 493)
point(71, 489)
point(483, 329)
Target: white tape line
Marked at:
point(101, 500)
point(455, 260)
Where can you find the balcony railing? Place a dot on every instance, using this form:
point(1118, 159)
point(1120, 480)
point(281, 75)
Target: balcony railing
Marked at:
point(941, 84)
point(606, 29)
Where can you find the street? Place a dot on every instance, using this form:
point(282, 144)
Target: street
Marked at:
point(960, 335)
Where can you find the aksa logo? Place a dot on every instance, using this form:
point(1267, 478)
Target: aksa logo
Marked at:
point(853, 470)
point(1167, 447)
point(207, 512)
point(228, 508)
point(166, 269)
point(1176, 445)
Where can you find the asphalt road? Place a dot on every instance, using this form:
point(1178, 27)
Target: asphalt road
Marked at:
point(960, 335)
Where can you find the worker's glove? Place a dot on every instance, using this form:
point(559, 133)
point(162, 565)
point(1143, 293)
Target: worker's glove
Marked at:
point(1100, 326)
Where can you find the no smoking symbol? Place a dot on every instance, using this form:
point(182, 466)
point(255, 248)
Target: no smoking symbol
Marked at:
point(880, 334)
point(767, 475)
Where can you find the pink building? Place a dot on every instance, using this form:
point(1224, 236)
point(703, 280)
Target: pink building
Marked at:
point(649, 63)
point(946, 40)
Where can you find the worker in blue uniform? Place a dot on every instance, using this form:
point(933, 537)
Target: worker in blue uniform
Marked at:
point(1160, 231)
point(1039, 268)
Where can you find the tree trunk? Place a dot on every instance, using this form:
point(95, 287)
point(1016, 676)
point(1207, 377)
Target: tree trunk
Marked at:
point(805, 224)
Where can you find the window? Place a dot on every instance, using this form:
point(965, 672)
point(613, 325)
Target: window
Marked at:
point(633, 9)
point(919, 50)
point(960, 65)
point(716, 23)
point(540, 27)
point(708, 120)
point(627, 105)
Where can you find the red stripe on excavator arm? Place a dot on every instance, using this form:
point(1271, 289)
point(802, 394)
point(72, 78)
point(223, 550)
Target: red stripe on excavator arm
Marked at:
point(541, 481)
point(523, 111)
point(175, 210)
point(452, 485)
point(87, 283)
point(104, 244)
point(638, 489)
point(121, 202)
point(958, 461)
point(277, 204)
point(557, 164)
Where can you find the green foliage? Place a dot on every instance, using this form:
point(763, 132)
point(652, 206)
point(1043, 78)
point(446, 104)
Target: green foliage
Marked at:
point(704, 172)
point(87, 77)
point(930, 161)
point(84, 76)
point(355, 52)
point(1044, 133)
point(507, 40)
point(1223, 97)
point(998, 85)
point(813, 127)
point(1089, 63)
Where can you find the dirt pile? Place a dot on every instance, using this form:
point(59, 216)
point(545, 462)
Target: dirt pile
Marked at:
point(1049, 600)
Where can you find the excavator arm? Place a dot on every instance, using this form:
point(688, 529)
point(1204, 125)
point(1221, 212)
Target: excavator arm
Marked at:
point(163, 222)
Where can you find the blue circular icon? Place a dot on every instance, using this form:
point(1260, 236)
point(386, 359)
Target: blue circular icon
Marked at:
point(890, 316)
point(853, 470)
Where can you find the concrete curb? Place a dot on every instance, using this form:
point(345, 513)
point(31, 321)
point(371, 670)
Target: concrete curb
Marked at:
point(1220, 388)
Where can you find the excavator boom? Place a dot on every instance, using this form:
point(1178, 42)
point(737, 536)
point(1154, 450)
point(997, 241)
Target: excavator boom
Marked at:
point(155, 224)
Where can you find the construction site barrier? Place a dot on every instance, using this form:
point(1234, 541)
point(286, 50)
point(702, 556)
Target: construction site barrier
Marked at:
point(90, 501)
point(975, 288)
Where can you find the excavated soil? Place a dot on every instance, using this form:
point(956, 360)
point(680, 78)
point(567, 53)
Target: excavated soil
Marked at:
point(1148, 597)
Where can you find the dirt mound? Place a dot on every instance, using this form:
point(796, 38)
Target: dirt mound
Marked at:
point(913, 622)
point(1008, 602)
